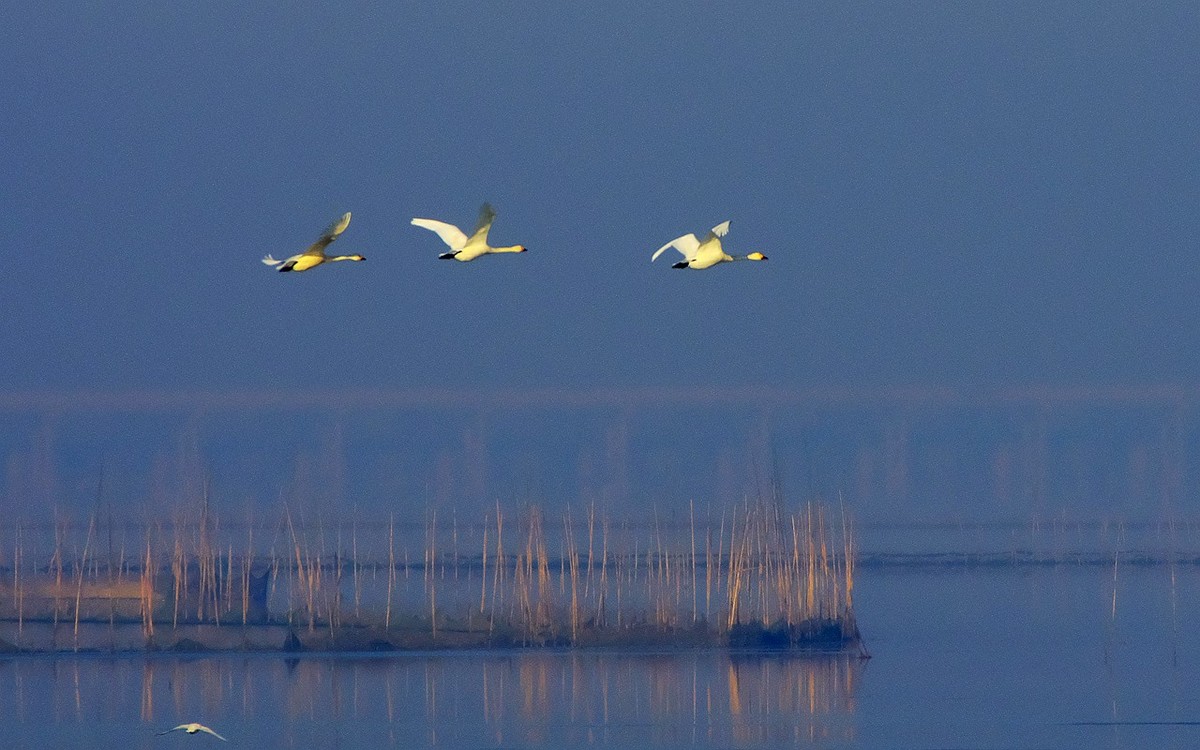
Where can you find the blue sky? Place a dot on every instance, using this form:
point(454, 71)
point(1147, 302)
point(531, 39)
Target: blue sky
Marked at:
point(949, 193)
point(952, 195)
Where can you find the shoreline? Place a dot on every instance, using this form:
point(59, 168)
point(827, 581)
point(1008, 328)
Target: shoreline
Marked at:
point(129, 638)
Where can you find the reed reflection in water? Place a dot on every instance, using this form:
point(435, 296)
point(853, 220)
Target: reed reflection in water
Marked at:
point(488, 699)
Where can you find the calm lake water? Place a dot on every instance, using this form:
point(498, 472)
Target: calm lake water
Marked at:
point(966, 657)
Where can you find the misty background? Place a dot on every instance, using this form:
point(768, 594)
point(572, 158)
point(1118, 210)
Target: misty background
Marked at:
point(981, 222)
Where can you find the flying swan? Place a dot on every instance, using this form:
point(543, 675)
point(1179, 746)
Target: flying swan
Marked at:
point(697, 254)
point(194, 727)
point(315, 254)
point(463, 248)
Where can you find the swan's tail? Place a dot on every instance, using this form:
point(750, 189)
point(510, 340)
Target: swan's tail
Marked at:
point(271, 261)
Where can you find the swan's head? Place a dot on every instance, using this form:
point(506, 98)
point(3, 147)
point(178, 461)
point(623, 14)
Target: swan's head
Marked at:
point(358, 257)
point(756, 256)
point(521, 248)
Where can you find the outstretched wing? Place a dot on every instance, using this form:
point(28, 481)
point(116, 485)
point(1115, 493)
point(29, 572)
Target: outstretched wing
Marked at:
point(687, 245)
point(449, 233)
point(487, 215)
point(203, 728)
point(719, 230)
point(330, 234)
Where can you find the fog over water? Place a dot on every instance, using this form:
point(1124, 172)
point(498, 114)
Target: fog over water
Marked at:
point(888, 456)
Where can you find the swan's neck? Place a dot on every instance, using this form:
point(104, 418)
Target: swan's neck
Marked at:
point(510, 249)
point(343, 257)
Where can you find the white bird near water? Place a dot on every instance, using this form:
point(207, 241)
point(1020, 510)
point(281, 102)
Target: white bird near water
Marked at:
point(192, 729)
point(315, 254)
point(704, 254)
point(463, 248)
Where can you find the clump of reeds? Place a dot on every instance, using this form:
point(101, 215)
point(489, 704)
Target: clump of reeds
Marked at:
point(784, 571)
point(578, 579)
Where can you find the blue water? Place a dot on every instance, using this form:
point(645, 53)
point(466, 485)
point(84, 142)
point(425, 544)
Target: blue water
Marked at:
point(976, 657)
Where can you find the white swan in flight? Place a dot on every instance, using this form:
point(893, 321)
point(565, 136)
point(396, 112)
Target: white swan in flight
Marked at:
point(706, 253)
point(315, 254)
point(463, 248)
point(193, 728)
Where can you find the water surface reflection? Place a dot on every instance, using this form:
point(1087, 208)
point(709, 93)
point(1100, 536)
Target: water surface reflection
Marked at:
point(537, 699)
